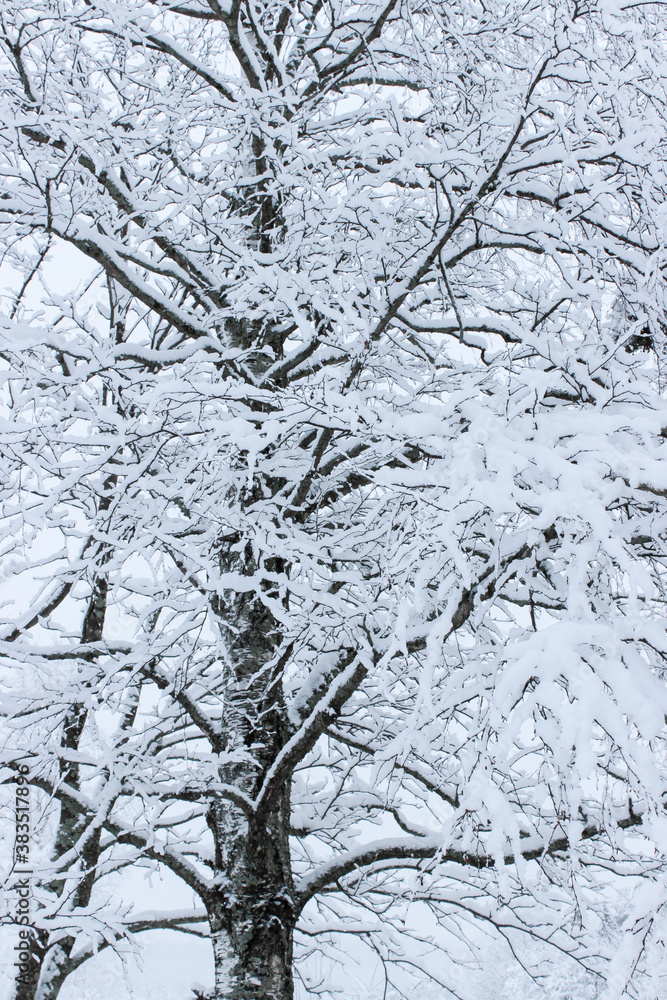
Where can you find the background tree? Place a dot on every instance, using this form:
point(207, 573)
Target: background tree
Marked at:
point(341, 513)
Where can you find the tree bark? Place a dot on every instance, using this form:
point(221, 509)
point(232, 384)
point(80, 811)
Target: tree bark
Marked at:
point(252, 918)
point(251, 911)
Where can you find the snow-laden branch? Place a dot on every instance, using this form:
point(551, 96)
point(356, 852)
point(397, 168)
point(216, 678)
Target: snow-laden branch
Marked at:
point(124, 832)
point(397, 852)
point(352, 672)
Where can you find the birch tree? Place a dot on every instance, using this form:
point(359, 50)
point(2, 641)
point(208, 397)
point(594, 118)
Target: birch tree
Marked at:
point(336, 489)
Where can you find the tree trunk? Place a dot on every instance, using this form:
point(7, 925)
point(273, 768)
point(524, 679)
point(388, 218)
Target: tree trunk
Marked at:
point(251, 911)
point(252, 922)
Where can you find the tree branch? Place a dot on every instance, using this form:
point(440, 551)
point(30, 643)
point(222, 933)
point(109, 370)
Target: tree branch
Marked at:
point(327, 709)
point(416, 849)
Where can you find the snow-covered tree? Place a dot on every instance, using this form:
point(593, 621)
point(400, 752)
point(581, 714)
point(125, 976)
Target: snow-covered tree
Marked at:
point(334, 495)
